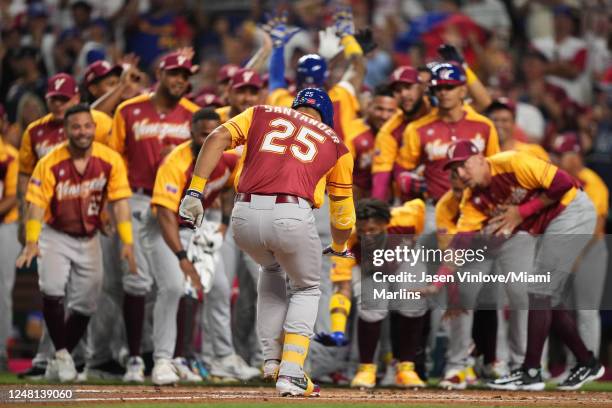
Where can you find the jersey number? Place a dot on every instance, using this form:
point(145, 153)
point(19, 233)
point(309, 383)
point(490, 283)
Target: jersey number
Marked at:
point(305, 151)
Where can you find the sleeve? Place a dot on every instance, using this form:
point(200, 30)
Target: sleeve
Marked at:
point(41, 186)
point(116, 140)
point(10, 179)
point(277, 69)
point(342, 269)
point(169, 184)
point(231, 159)
point(279, 97)
point(385, 148)
point(344, 93)
point(104, 127)
point(471, 218)
point(444, 215)
point(340, 177)
point(409, 154)
point(492, 142)
point(531, 172)
point(26, 154)
point(118, 185)
point(239, 126)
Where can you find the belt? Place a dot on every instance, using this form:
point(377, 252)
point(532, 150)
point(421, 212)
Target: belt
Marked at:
point(280, 198)
point(144, 191)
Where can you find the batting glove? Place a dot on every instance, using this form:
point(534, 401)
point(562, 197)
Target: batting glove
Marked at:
point(328, 250)
point(411, 184)
point(335, 339)
point(329, 43)
point(343, 21)
point(191, 209)
point(450, 53)
point(277, 28)
point(365, 40)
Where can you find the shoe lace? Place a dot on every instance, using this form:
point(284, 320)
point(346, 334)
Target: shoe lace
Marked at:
point(574, 373)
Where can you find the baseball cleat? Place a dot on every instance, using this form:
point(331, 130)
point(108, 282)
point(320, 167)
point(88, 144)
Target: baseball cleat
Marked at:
point(297, 386)
point(51, 373)
point(184, 371)
point(388, 379)
point(134, 370)
point(470, 376)
point(365, 376)
point(582, 374)
point(233, 366)
point(66, 371)
point(109, 370)
point(36, 372)
point(197, 366)
point(270, 370)
point(493, 371)
point(164, 372)
point(406, 377)
point(520, 380)
point(454, 380)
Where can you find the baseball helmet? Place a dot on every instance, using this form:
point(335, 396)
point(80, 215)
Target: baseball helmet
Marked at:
point(311, 71)
point(317, 99)
point(447, 73)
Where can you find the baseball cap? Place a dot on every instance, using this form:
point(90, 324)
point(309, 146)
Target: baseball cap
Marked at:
point(208, 99)
point(404, 74)
point(460, 151)
point(175, 60)
point(246, 77)
point(503, 103)
point(447, 73)
point(565, 143)
point(226, 72)
point(62, 84)
point(100, 69)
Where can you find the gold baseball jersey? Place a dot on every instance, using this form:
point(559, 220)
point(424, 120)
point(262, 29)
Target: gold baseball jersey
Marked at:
point(409, 219)
point(447, 215)
point(9, 168)
point(44, 134)
point(74, 201)
point(596, 189)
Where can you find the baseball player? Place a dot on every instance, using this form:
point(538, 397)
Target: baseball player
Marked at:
point(587, 282)
point(312, 68)
point(360, 137)
point(375, 221)
point(66, 192)
point(273, 220)
point(243, 92)
point(514, 191)
point(40, 137)
point(9, 246)
point(503, 114)
point(145, 128)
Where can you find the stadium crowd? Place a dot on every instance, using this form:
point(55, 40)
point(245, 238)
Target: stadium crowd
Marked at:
point(533, 76)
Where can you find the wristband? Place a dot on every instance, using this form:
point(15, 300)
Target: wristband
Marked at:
point(182, 254)
point(197, 183)
point(338, 247)
point(33, 228)
point(530, 207)
point(351, 46)
point(124, 229)
point(470, 76)
point(225, 219)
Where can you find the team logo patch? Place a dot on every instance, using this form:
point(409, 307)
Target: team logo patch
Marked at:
point(171, 188)
point(35, 181)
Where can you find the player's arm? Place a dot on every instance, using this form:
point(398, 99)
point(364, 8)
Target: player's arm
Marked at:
point(231, 133)
point(116, 140)
point(122, 214)
point(259, 59)
point(385, 148)
point(26, 166)
point(130, 84)
point(33, 227)
point(341, 203)
point(345, 28)
point(9, 196)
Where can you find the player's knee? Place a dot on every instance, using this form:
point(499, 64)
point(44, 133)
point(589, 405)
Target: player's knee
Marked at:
point(414, 311)
point(52, 288)
point(136, 285)
point(372, 316)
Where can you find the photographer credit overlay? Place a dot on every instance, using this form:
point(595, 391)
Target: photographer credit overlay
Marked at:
point(416, 273)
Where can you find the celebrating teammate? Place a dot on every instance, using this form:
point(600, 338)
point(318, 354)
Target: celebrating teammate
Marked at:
point(66, 192)
point(273, 220)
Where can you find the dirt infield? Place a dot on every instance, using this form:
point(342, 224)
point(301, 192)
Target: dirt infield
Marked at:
point(90, 394)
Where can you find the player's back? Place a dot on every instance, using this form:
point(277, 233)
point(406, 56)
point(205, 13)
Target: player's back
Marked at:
point(287, 152)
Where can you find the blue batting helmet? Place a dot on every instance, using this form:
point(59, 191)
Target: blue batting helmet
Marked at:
point(317, 99)
point(311, 71)
point(447, 73)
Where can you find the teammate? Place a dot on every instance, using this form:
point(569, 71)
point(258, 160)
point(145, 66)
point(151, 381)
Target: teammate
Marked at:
point(145, 128)
point(166, 242)
point(375, 221)
point(312, 68)
point(9, 246)
point(589, 273)
point(361, 135)
point(243, 92)
point(66, 192)
point(224, 76)
point(503, 114)
point(512, 192)
point(273, 220)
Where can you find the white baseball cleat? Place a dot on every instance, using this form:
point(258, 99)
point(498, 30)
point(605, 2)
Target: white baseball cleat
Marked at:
point(233, 366)
point(66, 371)
point(184, 371)
point(51, 373)
point(270, 370)
point(454, 380)
point(134, 370)
point(164, 372)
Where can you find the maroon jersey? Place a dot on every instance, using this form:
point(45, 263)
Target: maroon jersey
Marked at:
point(287, 152)
point(360, 141)
point(143, 136)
